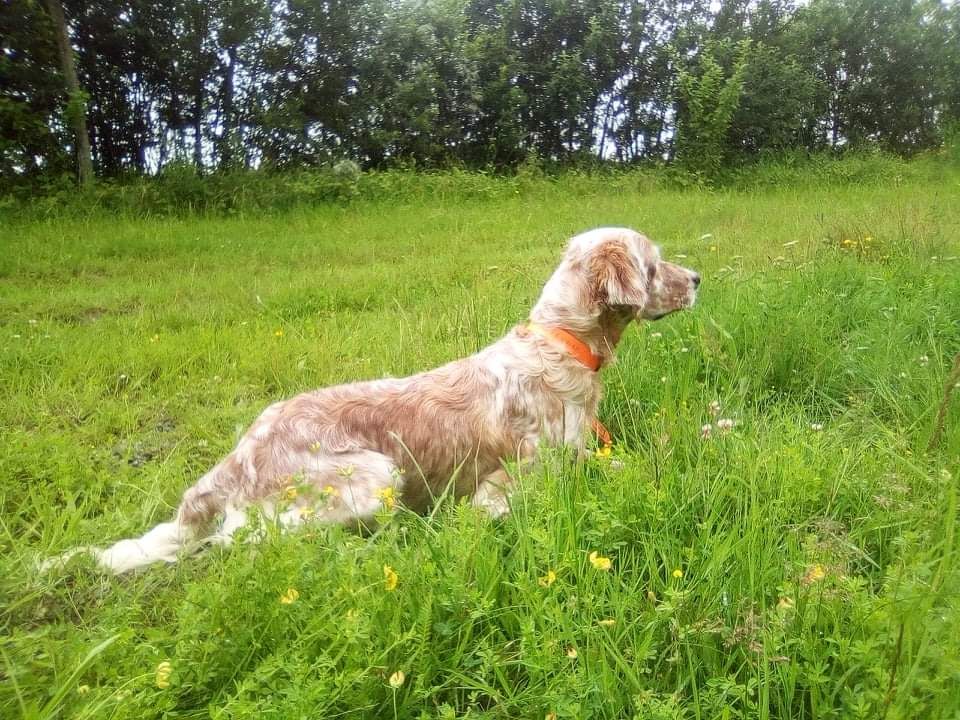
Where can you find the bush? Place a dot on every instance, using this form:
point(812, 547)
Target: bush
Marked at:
point(179, 190)
point(798, 167)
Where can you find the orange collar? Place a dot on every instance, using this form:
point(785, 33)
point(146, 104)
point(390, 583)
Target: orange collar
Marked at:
point(574, 345)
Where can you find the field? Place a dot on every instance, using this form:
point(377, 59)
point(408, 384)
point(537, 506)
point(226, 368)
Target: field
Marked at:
point(803, 564)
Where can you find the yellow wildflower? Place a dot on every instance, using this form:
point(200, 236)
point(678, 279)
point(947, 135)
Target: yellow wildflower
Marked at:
point(155, 338)
point(604, 451)
point(306, 512)
point(572, 653)
point(289, 597)
point(784, 603)
point(608, 622)
point(397, 679)
point(678, 573)
point(390, 578)
point(387, 498)
point(599, 561)
point(815, 573)
point(83, 689)
point(278, 333)
point(290, 492)
point(713, 248)
point(315, 447)
point(550, 716)
point(549, 579)
point(164, 670)
point(331, 491)
point(345, 471)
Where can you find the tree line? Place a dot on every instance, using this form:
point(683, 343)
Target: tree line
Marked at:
point(135, 85)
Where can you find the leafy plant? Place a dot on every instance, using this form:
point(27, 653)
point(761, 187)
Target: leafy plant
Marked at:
point(709, 98)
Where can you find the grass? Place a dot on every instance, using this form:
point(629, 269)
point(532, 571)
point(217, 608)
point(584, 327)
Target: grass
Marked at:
point(772, 571)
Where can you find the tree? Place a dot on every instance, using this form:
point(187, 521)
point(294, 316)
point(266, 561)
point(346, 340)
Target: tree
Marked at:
point(777, 101)
point(238, 83)
point(709, 101)
point(76, 99)
point(494, 132)
point(31, 96)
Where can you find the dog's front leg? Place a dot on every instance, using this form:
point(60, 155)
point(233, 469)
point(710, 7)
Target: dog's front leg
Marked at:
point(493, 493)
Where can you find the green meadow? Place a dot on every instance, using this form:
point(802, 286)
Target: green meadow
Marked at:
point(801, 564)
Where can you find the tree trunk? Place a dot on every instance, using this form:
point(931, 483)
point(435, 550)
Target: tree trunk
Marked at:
point(227, 122)
point(198, 122)
point(200, 31)
point(76, 104)
point(604, 129)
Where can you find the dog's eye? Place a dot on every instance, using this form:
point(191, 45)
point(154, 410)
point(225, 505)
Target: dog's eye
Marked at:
point(651, 272)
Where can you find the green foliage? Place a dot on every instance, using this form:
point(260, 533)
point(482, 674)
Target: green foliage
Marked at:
point(481, 84)
point(180, 191)
point(884, 66)
point(777, 100)
point(32, 142)
point(76, 105)
point(709, 99)
point(951, 142)
point(785, 170)
point(816, 540)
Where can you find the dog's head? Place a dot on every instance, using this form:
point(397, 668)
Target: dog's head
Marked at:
point(622, 270)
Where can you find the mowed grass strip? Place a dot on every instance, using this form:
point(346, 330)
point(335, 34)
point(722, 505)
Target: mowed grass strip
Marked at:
point(799, 564)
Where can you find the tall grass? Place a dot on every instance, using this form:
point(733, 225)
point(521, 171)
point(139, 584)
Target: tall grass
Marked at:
point(801, 565)
point(178, 191)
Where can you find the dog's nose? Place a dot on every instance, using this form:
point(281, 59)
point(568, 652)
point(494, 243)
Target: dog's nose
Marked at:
point(696, 280)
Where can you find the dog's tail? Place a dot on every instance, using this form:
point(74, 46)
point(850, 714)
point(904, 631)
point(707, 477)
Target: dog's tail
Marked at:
point(169, 540)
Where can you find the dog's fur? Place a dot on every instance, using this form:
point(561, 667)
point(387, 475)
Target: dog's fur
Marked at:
point(343, 453)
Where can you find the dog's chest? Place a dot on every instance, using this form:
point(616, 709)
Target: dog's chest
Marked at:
point(567, 422)
point(574, 424)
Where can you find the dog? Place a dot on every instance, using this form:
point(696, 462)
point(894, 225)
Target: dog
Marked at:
point(344, 454)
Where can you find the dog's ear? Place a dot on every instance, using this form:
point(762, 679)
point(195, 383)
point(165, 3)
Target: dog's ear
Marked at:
point(615, 278)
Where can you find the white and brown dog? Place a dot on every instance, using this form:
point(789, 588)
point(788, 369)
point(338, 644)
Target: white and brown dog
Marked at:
point(344, 453)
